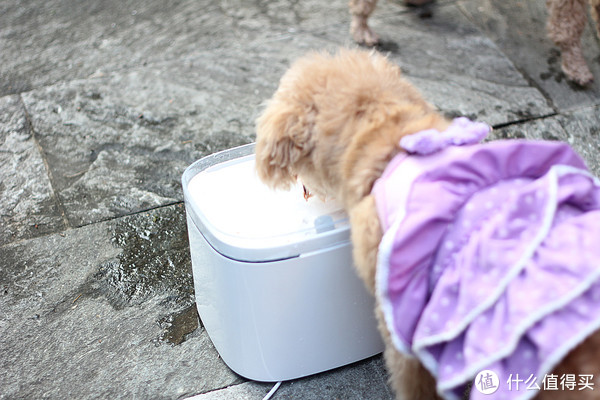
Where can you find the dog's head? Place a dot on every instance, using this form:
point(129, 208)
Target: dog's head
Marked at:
point(335, 121)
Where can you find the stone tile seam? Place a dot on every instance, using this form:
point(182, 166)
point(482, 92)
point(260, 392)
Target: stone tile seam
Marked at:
point(525, 120)
point(23, 240)
point(129, 214)
point(224, 389)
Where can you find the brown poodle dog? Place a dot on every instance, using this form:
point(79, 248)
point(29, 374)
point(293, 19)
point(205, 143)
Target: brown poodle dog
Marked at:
point(335, 122)
point(566, 22)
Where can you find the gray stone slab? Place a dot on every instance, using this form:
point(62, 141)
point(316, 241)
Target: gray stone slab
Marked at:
point(28, 207)
point(457, 68)
point(363, 380)
point(518, 27)
point(451, 61)
point(119, 143)
point(83, 314)
point(114, 36)
point(243, 391)
point(63, 40)
point(579, 128)
point(583, 129)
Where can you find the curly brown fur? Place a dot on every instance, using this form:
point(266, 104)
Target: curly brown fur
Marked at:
point(335, 122)
point(366, 240)
point(328, 118)
point(408, 377)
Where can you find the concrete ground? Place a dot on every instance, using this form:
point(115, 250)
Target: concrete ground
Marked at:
point(104, 104)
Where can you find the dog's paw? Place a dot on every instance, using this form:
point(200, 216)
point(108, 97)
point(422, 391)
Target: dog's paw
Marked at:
point(583, 79)
point(361, 33)
point(575, 68)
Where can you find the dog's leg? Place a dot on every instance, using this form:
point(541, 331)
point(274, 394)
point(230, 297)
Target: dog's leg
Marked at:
point(359, 27)
point(566, 22)
point(366, 235)
point(408, 378)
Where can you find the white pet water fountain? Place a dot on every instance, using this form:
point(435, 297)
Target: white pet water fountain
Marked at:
point(275, 285)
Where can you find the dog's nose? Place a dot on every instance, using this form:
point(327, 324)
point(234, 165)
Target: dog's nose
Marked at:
point(307, 193)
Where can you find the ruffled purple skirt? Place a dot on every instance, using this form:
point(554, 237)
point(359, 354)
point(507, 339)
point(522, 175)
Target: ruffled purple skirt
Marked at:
point(490, 261)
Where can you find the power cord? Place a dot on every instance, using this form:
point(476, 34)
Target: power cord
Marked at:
point(272, 392)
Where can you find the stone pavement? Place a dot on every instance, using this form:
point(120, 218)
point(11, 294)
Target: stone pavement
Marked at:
point(104, 104)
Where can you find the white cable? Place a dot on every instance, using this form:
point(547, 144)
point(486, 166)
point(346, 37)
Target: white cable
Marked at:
point(270, 394)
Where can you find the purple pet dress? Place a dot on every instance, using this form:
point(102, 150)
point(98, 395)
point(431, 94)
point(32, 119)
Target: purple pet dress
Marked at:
point(490, 258)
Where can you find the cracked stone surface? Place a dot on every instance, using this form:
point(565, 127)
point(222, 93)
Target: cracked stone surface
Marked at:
point(103, 106)
point(28, 207)
point(579, 128)
point(362, 380)
point(95, 336)
point(519, 29)
point(459, 70)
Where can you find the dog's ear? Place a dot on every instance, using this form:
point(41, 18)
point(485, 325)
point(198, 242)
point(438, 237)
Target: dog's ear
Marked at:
point(284, 136)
